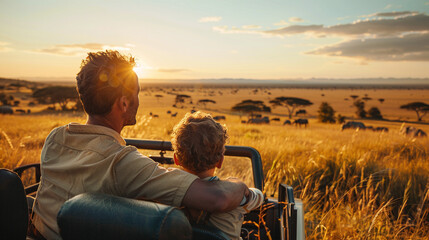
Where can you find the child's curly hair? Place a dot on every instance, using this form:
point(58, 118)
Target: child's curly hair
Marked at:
point(199, 141)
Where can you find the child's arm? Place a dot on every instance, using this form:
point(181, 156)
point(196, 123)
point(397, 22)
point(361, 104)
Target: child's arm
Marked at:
point(254, 200)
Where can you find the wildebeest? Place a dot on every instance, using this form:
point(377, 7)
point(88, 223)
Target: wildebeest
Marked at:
point(20, 110)
point(353, 125)
point(275, 119)
point(192, 111)
point(168, 112)
point(259, 120)
point(301, 121)
point(301, 111)
point(6, 110)
point(155, 115)
point(287, 122)
point(221, 117)
point(174, 114)
point(381, 129)
point(412, 131)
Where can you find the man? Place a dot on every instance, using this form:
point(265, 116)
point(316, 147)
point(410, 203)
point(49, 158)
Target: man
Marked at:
point(93, 157)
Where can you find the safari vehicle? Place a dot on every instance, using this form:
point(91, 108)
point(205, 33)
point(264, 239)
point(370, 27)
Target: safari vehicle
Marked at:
point(98, 216)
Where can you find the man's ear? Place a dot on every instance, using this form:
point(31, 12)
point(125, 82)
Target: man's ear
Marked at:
point(176, 161)
point(219, 164)
point(124, 103)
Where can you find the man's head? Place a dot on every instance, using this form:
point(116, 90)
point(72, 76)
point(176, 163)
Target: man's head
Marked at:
point(105, 78)
point(199, 142)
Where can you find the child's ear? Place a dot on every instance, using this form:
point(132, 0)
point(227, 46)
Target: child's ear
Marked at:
point(219, 164)
point(176, 161)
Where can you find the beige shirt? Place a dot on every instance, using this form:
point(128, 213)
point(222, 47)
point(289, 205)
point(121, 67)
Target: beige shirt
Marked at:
point(230, 222)
point(89, 158)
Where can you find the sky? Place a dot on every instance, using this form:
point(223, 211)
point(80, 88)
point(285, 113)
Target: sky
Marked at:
point(203, 39)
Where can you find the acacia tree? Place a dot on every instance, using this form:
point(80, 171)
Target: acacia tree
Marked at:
point(360, 108)
point(290, 103)
point(375, 113)
point(56, 94)
point(420, 108)
point(250, 107)
point(204, 102)
point(180, 100)
point(158, 96)
point(326, 113)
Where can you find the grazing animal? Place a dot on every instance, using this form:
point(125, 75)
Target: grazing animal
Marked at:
point(155, 115)
point(168, 112)
point(353, 125)
point(381, 129)
point(287, 122)
point(259, 120)
point(275, 119)
point(6, 110)
point(301, 121)
point(174, 114)
point(412, 131)
point(221, 117)
point(20, 110)
point(243, 121)
point(301, 111)
point(192, 111)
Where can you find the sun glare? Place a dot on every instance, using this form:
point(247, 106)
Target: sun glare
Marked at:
point(141, 70)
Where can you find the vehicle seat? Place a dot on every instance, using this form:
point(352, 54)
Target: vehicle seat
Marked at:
point(100, 216)
point(13, 206)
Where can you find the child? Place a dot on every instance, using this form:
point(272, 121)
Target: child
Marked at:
point(199, 146)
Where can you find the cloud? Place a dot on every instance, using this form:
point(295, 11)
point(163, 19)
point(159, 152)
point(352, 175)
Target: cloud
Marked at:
point(210, 19)
point(342, 18)
point(388, 6)
point(78, 49)
point(395, 14)
point(281, 23)
point(235, 30)
point(295, 19)
point(4, 48)
point(380, 27)
point(172, 70)
point(251, 27)
point(410, 47)
point(391, 14)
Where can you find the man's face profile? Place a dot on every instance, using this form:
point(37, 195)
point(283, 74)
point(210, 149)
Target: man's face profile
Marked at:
point(130, 114)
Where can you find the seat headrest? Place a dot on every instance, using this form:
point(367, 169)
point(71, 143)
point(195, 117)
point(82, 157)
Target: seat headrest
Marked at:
point(100, 216)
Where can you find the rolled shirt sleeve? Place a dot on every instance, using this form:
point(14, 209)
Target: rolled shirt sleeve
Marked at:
point(140, 177)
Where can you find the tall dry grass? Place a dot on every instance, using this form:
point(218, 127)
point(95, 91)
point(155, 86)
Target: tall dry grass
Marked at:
point(354, 184)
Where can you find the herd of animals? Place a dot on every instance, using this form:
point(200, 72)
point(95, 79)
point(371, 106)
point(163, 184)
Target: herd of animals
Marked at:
point(258, 119)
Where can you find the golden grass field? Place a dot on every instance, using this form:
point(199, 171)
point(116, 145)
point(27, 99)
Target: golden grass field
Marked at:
point(354, 184)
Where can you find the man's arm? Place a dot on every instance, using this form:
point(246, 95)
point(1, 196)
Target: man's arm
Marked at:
point(216, 196)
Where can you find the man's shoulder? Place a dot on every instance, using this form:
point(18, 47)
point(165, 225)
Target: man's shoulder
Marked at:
point(56, 131)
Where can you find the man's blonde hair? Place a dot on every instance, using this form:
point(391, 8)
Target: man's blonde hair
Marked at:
point(199, 141)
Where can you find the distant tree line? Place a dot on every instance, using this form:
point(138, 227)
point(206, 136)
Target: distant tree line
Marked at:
point(61, 95)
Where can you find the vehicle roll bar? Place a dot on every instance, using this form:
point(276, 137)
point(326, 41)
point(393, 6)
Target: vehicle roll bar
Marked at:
point(236, 151)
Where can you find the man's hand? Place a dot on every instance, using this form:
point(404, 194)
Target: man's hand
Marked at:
point(215, 196)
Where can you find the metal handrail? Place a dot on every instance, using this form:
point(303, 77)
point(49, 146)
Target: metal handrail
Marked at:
point(236, 151)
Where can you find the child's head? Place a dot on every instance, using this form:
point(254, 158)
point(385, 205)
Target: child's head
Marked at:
point(199, 142)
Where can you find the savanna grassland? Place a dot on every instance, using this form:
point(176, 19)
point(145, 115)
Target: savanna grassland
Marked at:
point(355, 184)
